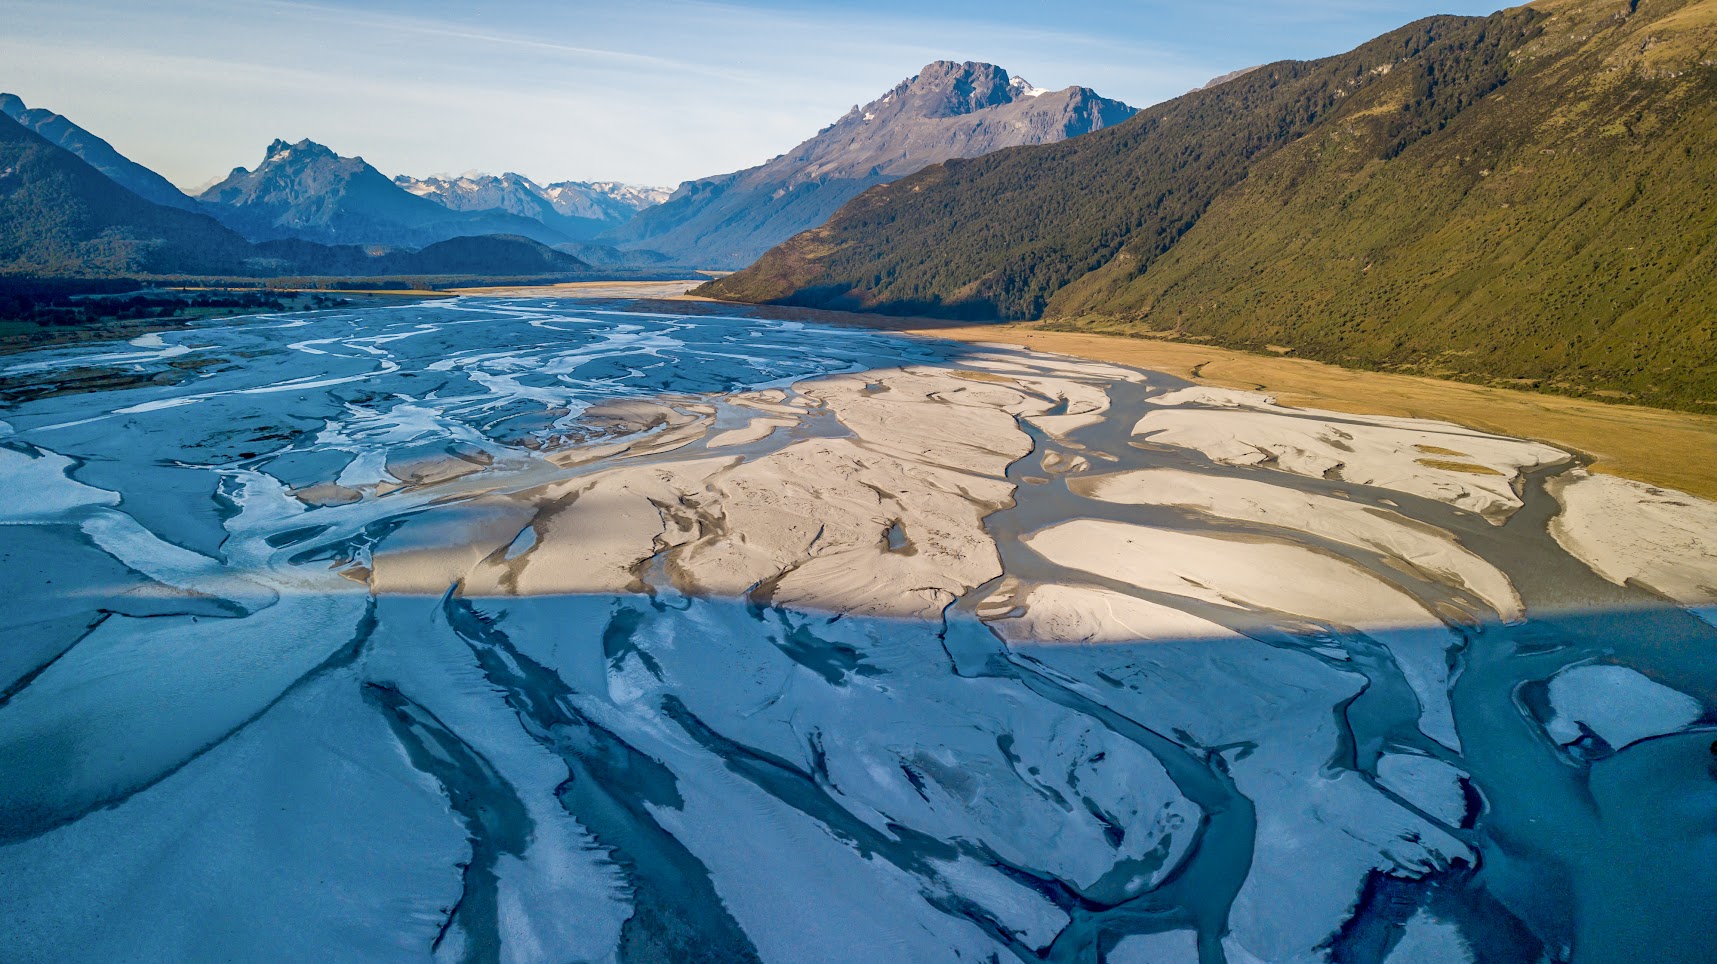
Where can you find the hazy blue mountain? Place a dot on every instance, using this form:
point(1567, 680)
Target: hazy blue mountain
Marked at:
point(608, 256)
point(491, 254)
point(60, 216)
point(97, 153)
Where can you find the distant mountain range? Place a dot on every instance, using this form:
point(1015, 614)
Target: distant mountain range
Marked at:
point(579, 210)
point(307, 191)
point(60, 216)
point(1525, 198)
point(949, 110)
point(71, 205)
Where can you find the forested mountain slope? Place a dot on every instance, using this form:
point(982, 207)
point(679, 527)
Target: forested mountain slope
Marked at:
point(60, 216)
point(58, 130)
point(1524, 198)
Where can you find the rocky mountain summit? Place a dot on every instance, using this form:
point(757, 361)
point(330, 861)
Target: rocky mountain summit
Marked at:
point(571, 197)
point(948, 110)
point(307, 191)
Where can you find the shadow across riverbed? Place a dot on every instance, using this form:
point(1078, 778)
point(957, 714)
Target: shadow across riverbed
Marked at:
point(1058, 800)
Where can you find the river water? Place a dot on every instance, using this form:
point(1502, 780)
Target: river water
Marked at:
point(216, 741)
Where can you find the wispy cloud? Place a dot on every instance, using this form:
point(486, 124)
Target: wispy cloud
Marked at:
point(342, 18)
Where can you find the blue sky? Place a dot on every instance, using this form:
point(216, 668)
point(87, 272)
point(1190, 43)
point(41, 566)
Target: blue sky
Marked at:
point(647, 91)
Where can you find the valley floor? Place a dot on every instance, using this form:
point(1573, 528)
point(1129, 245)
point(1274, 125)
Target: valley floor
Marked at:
point(518, 628)
point(1656, 446)
point(1673, 449)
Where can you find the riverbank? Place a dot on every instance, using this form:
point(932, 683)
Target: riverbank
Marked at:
point(585, 289)
point(126, 315)
point(1672, 449)
point(1676, 450)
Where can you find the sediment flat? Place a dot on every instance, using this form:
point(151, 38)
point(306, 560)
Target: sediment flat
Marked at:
point(1677, 450)
point(633, 629)
point(1673, 449)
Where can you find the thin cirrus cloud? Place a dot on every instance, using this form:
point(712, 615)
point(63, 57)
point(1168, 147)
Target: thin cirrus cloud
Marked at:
point(651, 91)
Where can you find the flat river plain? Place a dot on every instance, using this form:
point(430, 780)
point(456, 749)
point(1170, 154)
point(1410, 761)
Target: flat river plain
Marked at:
point(527, 628)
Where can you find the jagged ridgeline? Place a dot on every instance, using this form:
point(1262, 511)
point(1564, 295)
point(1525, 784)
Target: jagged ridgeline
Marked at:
point(1524, 198)
point(62, 217)
point(948, 109)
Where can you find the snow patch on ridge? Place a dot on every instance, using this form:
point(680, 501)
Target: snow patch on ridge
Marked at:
point(1023, 88)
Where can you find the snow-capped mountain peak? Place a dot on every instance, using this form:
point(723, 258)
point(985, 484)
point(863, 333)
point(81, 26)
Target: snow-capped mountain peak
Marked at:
point(594, 202)
point(280, 151)
point(1023, 88)
point(949, 109)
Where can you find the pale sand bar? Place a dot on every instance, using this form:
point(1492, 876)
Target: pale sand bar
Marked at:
point(1390, 534)
point(890, 519)
point(1673, 449)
